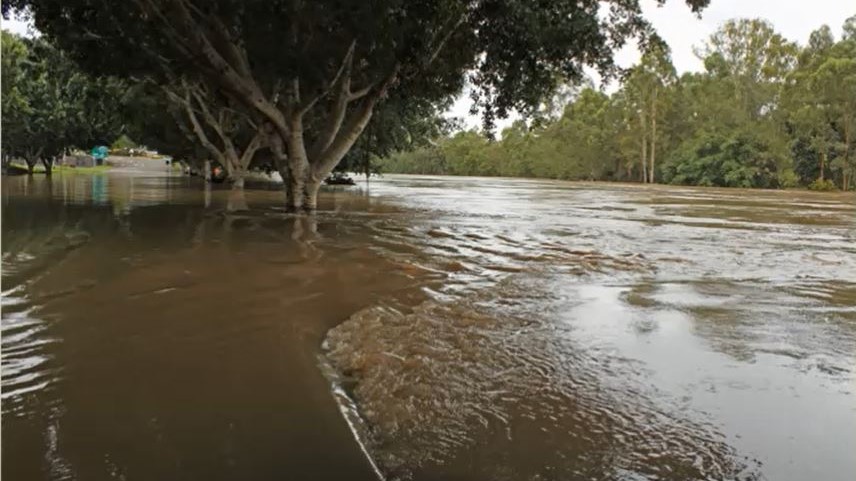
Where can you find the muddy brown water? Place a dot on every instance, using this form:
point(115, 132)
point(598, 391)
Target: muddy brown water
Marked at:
point(426, 328)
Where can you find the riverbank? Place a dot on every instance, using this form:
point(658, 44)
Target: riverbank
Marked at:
point(21, 169)
point(823, 187)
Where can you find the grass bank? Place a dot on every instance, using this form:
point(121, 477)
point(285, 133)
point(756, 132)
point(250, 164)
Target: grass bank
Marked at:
point(63, 169)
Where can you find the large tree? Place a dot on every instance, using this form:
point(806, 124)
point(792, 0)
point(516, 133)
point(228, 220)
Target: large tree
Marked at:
point(15, 107)
point(313, 72)
point(808, 113)
point(820, 97)
point(49, 105)
point(645, 88)
point(754, 58)
point(210, 120)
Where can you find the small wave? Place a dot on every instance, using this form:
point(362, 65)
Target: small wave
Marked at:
point(474, 377)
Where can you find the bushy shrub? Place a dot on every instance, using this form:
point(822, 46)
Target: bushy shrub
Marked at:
point(823, 185)
point(736, 159)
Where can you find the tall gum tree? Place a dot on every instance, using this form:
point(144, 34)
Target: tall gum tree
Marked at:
point(650, 79)
point(820, 96)
point(755, 59)
point(313, 72)
point(808, 113)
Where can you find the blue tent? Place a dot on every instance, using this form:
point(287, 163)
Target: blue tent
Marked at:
point(99, 153)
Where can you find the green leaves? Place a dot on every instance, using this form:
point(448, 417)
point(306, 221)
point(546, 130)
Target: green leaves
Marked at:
point(741, 159)
point(820, 96)
point(765, 114)
point(50, 105)
point(514, 53)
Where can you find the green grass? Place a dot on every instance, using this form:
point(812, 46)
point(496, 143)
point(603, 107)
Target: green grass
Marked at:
point(66, 169)
point(98, 169)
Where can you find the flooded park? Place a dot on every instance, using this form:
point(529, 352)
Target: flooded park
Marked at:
point(459, 240)
point(425, 328)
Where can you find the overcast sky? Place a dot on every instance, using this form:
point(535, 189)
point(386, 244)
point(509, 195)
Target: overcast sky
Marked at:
point(682, 30)
point(795, 19)
point(15, 26)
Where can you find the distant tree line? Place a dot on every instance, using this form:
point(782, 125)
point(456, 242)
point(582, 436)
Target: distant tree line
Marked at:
point(764, 113)
point(306, 87)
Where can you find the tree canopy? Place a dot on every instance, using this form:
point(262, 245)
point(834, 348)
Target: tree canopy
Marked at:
point(49, 105)
point(309, 75)
point(764, 113)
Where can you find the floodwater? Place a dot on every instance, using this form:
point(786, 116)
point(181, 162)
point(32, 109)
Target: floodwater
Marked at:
point(426, 328)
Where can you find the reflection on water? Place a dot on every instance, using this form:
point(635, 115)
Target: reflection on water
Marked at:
point(467, 329)
point(163, 340)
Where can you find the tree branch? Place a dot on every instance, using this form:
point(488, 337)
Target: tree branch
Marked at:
point(185, 102)
point(212, 122)
point(250, 151)
point(445, 39)
point(358, 94)
point(343, 74)
point(347, 135)
point(339, 106)
point(245, 89)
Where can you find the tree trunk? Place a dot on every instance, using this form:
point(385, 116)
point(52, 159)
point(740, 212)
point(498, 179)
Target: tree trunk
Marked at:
point(31, 166)
point(302, 181)
point(644, 136)
point(235, 172)
point(206, 168)
point(847, 166)
point(238, 181)
point(644, 161)
point(301, 190)
point(286, 183)
point(48, 163)
point(822, 164)
point(310, 195)
point(236, 201)
point(653, 138)
point(297, 184)
point(300, 194)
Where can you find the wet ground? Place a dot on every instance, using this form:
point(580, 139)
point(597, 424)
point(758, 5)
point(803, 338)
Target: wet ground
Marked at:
point(426, 328)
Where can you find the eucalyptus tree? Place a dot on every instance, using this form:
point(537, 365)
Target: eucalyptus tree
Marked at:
point(314, 72)
point(754, 59)
point(821, 101)
point(581, 139)
point(808, 113)
point(762, 114)
point(646, 85)
point(835, 81)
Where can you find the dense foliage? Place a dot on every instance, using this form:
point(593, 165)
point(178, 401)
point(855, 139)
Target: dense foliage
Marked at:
point(50, 106)
point(765, 113)
point(310, 75)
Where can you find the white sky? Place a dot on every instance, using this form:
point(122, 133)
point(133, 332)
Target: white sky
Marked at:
point(16, 26)
point(682, 30)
